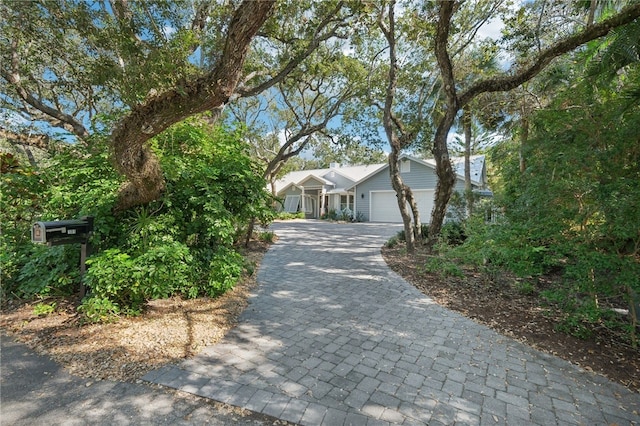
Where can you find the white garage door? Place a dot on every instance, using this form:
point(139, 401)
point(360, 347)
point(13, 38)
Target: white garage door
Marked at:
point(384, 205)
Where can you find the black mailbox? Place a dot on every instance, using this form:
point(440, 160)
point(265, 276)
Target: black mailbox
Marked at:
point(62, 231)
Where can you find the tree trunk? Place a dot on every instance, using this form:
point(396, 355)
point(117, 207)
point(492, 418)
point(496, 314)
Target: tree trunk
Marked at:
point(468, 192)
point(444, 170)
point(446, 178)
point(131, 154)
point(393, 126)
point(592, 12)
point(524, 137)
point(417, 224)
point(401, 194)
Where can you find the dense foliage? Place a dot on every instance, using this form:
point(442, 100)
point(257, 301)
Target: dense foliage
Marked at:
point(181, 244)
point(573, 210)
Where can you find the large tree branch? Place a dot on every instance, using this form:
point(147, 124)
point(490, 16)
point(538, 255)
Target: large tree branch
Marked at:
point(442, 55)
point(316, 40)
point(14, 78)
point(388, 118)
point(508, 82)
point(132, 156)
point(307, 129)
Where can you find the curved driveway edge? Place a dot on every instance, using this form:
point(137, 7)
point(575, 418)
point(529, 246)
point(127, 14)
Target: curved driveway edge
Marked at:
point(332, 336)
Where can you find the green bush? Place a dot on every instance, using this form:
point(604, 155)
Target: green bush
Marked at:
point(44, 309)
point(112, 275)
point(332, 214)
point(453, 233)
point(99, 309)
point(224, 270)
point(573, 209)
point(266, 236)
point(182, 243)
point(443, 267)
point(49, 271)
point(289, 216)
point(165, 270)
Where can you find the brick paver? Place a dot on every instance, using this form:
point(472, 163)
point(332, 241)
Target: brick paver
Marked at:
point(332, 336)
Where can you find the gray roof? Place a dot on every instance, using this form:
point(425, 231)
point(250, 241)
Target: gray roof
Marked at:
point(357, 174)
point(477, 164)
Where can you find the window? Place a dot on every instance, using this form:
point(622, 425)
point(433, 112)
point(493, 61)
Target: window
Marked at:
point(291, 203)
point(346, 202)
point(405, 166)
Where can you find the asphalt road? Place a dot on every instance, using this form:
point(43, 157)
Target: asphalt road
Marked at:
point(34, 390)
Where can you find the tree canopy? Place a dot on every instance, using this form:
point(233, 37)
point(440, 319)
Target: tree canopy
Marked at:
point(132, 69)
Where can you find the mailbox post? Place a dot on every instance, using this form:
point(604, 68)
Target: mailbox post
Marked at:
point(66, 232)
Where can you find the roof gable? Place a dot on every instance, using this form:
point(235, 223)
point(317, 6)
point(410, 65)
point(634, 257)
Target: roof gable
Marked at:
point(313, 180)
point(386, 166)
point(324, 176)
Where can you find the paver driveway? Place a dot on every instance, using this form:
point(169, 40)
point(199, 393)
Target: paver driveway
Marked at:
point(333, 337)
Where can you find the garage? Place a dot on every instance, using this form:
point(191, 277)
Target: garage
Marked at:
point(384, 205)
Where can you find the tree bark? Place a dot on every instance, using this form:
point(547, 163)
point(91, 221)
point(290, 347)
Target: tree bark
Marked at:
point(468, 191)
point(132, 156)
point(444, 169)
point(401, 195)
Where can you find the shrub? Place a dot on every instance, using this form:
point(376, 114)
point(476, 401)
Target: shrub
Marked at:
point(346, 215)
point(99, 309)
point(225, 269)
point(290, 216)
point(443, 267)
point(179, 244)
point(453, 233)
point(111, 275)
point(164, 270)
point(266, 236)
point(44, 309)
point(49, 271)
point(332, 214)
point(392, 242)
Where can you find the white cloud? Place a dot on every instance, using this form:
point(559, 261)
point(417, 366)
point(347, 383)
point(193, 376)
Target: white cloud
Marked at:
point(282, 136)
point(491, 29)
point(169, 30)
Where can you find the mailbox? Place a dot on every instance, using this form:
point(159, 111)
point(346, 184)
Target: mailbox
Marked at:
point(62, 231)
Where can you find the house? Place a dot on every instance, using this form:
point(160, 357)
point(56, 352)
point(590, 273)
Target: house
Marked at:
point(367, 189)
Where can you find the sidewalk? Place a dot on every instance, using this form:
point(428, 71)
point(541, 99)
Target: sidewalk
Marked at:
point(333, 337)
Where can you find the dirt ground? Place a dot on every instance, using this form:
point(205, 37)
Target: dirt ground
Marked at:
point(168, 331)
point(174, 329)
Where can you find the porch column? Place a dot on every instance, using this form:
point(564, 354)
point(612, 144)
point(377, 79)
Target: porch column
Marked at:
point(355, 196)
